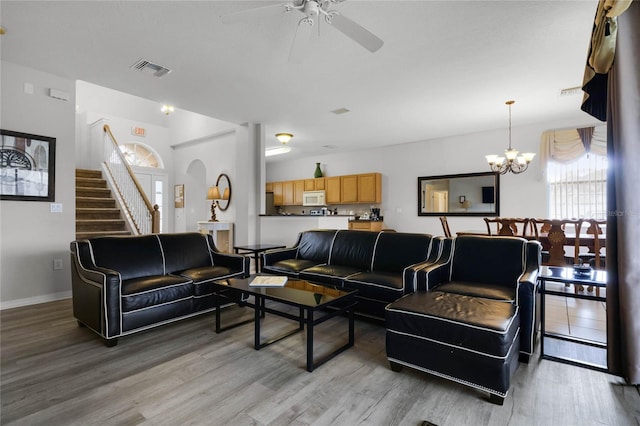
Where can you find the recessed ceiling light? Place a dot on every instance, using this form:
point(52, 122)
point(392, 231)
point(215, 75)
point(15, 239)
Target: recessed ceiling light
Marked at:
point(341, 111)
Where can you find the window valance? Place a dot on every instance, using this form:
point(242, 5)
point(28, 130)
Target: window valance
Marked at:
point(567, 145)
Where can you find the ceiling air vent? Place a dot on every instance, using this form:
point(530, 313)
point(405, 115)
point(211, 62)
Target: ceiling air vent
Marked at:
point(340, 111)
point(571, 91)
point(157, 70)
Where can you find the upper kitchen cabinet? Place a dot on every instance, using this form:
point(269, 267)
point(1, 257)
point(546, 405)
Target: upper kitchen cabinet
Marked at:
point(332, 188)
point(298, 189)
point(370, 188)
point(277, 193)
point(316, 184)
point(287, 193)
point(349, 188)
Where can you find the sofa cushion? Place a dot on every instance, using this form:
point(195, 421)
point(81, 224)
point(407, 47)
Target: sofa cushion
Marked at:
point(395, 251)
point(489, 260)
point(315, 245)
point(487, 291)
point(328, 274)
point(291, 266)
point(377, 285)
point(184, 251)
point(145, 292)
point(475, 324)
point(203, 277)
point(354, 248)
point(131, 256)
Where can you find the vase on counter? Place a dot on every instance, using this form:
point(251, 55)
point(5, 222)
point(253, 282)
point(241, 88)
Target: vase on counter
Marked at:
point(318, 172)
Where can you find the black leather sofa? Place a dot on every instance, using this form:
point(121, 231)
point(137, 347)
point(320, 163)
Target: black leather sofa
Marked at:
point(122, 285)
point(382, 266)
point(467, 324)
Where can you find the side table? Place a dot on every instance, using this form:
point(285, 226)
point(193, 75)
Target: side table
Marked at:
point(566, 275)
point(256, 249)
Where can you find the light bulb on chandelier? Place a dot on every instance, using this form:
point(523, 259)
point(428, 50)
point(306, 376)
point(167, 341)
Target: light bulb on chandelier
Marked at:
point(511, 162)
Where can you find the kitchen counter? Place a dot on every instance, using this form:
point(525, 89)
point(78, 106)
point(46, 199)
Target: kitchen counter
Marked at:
point(284, 229)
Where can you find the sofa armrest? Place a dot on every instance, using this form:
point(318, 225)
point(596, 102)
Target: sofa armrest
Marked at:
point(96, 292)
point(270, 257)
point(236, 262)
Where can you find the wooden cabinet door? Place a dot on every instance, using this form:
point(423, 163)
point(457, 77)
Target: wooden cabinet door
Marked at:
point(349, 187)
point(309, 184)
point(278, 200)
point(268, 187)
point(318, 184)
point(287, 193)
point(298, 189)
point(369, 188)
point(332, 186)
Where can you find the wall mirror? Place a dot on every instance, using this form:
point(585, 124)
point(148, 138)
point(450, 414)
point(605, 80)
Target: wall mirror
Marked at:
point(470, 194)
point(224, 186)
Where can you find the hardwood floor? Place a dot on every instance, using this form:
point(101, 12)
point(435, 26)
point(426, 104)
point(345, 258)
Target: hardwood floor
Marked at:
point(56, 373)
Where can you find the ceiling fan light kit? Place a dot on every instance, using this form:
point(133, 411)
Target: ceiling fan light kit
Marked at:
point(313, 10)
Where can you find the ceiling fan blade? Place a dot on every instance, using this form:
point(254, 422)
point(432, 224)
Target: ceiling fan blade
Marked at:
point(301, 40)
point(356, 32)
point(257, 13)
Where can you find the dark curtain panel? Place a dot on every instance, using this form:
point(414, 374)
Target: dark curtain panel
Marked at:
point(623, 224)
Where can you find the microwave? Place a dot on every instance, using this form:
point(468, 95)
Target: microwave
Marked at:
point(313, 198)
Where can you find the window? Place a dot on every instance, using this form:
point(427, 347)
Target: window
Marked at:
point(575, 163)
point(578, 189)
point(140, 155)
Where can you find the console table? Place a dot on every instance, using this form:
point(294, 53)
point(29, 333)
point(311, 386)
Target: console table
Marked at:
point(222, 233)
point(566, 275)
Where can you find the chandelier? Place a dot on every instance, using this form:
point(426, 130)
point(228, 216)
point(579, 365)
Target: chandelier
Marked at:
point(511, 162)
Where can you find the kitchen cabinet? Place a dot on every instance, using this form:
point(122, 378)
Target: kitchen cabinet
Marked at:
point(298, 189)
point(365, 225)
point(332, 188)
point(349, 188)
point(316, 184)
point(287, 193)
point(370, 188)
point(277, 193)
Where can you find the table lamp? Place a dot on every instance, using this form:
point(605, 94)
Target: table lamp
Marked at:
point(213, 194)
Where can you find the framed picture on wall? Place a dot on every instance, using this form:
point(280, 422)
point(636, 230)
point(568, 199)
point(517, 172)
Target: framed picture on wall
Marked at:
point(27, 166)
point(179, 196)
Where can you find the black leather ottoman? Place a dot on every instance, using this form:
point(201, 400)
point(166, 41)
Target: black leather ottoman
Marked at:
point(470, 340)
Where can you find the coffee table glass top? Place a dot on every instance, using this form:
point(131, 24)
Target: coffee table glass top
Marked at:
point(296, 291)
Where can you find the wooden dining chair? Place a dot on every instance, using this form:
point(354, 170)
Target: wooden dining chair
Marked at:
point(552, 234)
point(508, 226)
point(445, 226)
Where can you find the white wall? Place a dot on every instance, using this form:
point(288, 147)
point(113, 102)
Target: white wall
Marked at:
point(401, 165)
point(30, 236)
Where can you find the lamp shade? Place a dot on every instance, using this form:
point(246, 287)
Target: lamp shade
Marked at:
point(284, 137)
point(213, 193)
point(466, 204)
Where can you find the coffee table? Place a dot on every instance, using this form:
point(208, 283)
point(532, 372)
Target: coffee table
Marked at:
point(316, 304)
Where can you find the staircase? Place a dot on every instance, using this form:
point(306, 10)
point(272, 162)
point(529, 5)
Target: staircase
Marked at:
point(96, 211)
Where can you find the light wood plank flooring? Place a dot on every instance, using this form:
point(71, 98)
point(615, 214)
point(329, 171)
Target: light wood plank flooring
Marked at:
point(55, 373)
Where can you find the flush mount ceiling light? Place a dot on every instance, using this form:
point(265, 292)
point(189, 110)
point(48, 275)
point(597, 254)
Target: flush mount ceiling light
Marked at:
point(284, 137)
point(276, 151)
point(167, 109)
point(514, 163)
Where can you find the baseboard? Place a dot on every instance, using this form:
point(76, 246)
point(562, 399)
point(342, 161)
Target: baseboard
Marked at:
point(35, 300)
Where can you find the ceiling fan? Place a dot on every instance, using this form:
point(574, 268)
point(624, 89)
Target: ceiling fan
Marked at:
point(314, 11)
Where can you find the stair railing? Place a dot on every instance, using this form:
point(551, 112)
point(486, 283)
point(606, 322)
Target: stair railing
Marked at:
point(145, 217)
